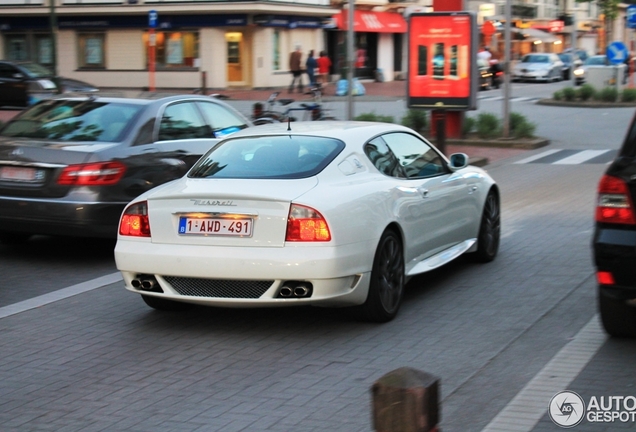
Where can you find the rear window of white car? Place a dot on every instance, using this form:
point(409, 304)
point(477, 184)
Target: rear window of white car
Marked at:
point(271, 157)
point(73, 120)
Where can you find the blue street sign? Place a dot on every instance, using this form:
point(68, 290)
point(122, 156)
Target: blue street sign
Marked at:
point(617, 52)
point(631, 16)
point(152, 18)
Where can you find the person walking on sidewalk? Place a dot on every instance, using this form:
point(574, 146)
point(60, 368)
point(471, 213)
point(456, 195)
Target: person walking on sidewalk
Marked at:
point(324, 63)
point(310, 66)
point(294, 66)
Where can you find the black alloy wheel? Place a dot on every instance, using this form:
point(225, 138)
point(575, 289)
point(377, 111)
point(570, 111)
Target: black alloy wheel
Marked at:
point(386, 288)
point(617, 317)
point(489, 230)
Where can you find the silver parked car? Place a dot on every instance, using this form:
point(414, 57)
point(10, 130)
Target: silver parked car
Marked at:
point(538, 67)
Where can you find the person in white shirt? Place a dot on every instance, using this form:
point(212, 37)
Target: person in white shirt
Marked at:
point(484, 54)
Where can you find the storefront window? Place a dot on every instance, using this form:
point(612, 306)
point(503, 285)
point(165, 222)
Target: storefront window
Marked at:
point(34, 47)
point(175, 49)
point(276, 52)
point(17, 48)
point(44, 49)
point(91, 50)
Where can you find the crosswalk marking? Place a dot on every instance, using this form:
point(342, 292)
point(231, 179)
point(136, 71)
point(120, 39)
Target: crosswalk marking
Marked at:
point(570, 157)
point(516, 99)
point(537, 156)
point(580, 157)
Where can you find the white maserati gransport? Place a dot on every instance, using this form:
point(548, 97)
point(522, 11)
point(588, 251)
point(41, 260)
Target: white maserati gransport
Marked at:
point(307, 213)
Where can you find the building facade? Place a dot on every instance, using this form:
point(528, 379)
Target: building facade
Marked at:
point(216, 44)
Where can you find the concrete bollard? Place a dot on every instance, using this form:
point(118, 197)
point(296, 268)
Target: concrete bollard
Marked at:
point(406, 400)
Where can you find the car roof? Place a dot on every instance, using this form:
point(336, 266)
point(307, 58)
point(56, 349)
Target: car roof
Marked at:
point(143, 100)
point(343, 130)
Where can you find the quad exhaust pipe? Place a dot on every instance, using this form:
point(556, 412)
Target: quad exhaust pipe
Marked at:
point(292, 289)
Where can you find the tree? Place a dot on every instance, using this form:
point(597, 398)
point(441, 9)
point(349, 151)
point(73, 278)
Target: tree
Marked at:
point(609, 10)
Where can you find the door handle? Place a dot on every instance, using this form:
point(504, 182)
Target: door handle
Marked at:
point(423, 192)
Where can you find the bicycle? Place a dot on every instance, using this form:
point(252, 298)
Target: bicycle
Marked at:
point(260, 115)
point(316, 108)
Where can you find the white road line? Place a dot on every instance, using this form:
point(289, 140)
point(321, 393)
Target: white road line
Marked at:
point(580, 157)
point(60, 294)
point(531, 403)
point(537, 156)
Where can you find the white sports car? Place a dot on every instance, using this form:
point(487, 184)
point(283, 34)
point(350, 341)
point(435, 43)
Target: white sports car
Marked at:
point(322, 213)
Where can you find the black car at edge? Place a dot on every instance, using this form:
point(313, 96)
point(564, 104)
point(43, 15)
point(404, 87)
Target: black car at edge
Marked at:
point(614, 243)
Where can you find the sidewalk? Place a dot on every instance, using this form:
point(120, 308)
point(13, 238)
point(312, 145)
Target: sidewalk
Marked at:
point(393, 90)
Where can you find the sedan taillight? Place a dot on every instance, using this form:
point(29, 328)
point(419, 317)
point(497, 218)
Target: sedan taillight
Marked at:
point(614, 203)
point(305, 224)
point(134, 222)
point(93, 174)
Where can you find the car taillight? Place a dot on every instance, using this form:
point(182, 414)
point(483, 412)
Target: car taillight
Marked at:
point(93, 174)
point(306, 225)
point(605, 278)
point(614, 204)
point(134, 221)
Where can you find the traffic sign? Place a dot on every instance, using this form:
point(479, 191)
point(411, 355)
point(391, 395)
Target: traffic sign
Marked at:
point(631, 16)
point(152, 18)
point(617, 52)
point(488, 28)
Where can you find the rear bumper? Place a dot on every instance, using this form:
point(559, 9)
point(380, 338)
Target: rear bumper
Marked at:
point(615, 252)
point(339, 275)
point(59, 217)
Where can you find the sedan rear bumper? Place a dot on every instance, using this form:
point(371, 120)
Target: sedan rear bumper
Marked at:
point(59, 217)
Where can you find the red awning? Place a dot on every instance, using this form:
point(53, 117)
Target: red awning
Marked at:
point(375, 22)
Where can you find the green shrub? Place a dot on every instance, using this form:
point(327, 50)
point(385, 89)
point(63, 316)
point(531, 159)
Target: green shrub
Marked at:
point(586, 92)
point(629, 95)
point(520, 127)
point(557, 95)
point(569, 94)
point(373, 117)
point(416, 120)
point(609, 94)
point(468, 125)
point(488, 125)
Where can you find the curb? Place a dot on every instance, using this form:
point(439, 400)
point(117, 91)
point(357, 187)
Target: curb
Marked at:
point(525, 144)
point(478, 161)
point(586, 104)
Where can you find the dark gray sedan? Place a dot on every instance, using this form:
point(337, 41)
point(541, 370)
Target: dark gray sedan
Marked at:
point(24, 83)
point(68, 166)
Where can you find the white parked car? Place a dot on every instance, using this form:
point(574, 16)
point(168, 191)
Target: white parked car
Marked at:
point(321, 213)
point(538, 67)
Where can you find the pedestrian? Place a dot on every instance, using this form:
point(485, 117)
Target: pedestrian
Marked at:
point(324, 64)
point(484, 54)
point(295, 67)
point(310, 65)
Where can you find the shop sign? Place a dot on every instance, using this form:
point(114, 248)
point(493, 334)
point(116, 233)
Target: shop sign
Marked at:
point(442, 69)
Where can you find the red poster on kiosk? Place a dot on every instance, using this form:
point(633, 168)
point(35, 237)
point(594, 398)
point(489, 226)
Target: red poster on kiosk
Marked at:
point(442, 71)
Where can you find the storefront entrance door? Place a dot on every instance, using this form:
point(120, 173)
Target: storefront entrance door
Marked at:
point(234, 41)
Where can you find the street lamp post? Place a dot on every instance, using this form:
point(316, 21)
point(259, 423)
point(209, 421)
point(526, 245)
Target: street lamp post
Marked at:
point(53, 30)
point(350, 59)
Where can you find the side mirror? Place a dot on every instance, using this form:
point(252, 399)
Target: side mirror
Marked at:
point(458, 161)
point(18, 75)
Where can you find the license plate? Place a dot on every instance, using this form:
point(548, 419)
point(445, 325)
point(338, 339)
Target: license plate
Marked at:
point(20, 174)
point(216, 226)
